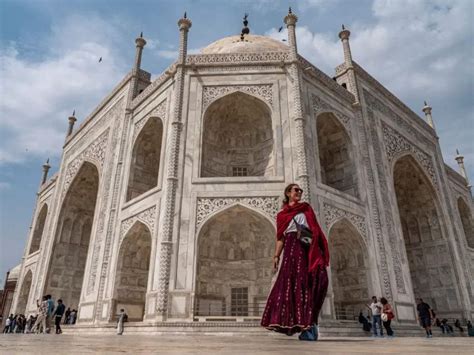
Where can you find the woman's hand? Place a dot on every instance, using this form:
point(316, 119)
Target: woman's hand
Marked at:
point(276, 261)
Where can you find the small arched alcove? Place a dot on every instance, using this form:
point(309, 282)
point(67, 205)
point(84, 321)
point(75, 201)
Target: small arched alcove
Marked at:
point(145, 162)
point(336, 156)
point(133, 266)
point(237, 138)
point(24, 293)
point(233, 274)
point(39, 229)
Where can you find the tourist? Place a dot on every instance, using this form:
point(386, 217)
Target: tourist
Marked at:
point(470, 329)
point(67, 316)
point(50, 313)
point(366, 326)
point(446, 328)
point(425, 316)
point(40, 324)
point(376, 309)
point(302, 279)
point(457, 324)
point(122, 318)
point(72, 319)
point(8, 322)
point(58, 315)
point(29, 324)
point(387, 316)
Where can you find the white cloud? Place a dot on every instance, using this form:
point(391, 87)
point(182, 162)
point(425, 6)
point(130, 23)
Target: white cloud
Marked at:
point(37, 95)
point(419, 50)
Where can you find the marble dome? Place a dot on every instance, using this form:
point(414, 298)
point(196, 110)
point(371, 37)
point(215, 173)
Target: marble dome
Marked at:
point(251, 44)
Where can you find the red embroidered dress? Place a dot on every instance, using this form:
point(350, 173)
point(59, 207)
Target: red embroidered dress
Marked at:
point(298, 294)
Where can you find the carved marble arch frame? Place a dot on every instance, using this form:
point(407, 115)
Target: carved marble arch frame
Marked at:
point(40, 209)
point(346, 125)
point(271, 103)
point(155, 114)
point(365, 247)
point(28, 269)
point(57, 227)
point(458, 214)
point(209, 218)
point(117, 258)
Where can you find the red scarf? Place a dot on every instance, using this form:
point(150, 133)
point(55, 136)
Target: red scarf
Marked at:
point(318, 250)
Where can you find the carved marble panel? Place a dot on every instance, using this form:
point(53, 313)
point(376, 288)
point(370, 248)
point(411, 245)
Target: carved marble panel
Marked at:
point(147, 217)
point(320, 106)
point(236, 58)
point(206, 206)
point(212, 93)
point(159, 111)
point(333, 213)
point(397, 145)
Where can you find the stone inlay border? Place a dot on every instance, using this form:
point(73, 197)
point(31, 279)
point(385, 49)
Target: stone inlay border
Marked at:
point(212, 93)
point(206, 206)
point(333, 214)
point(159, 111)
point(147, 217)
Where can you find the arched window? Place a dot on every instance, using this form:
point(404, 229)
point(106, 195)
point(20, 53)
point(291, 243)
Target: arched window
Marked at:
point(145, 163)
point(237, 138)
point(335, 155)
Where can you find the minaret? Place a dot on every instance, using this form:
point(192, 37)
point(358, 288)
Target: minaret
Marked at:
point(46, 168)
point(140, 43)
point(72, 119)
point(352, 83)
point(429, 118)
point(171, 184)
point(296, 112)
point(462, 170)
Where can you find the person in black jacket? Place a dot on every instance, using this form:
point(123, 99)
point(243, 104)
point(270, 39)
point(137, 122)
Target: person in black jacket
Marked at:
point(58, 315)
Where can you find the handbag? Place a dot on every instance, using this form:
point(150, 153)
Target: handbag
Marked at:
point(304, 234)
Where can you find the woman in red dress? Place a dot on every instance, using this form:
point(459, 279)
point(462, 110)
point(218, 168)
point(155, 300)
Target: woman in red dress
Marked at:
point(298, 294)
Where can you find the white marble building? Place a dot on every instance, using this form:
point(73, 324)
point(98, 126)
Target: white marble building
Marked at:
point(166, 196)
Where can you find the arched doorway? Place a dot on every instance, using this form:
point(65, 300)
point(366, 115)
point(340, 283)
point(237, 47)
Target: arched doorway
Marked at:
point(38, 231)
point(24, 293)
point(237, 138)
point(336, 155)
point(429, 259)
point(466, 220)
point(233, 264)
point(145, 163)
point(133, 265)
point(68, 260)
point(350, 271)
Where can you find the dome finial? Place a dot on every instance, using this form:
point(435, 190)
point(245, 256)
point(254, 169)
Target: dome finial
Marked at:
point(245, 30)
point(289, 10)
point(185, 15)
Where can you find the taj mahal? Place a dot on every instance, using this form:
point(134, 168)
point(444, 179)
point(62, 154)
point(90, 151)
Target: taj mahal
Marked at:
point(165, 199)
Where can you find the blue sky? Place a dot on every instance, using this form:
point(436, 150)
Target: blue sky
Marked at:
point(420, 50)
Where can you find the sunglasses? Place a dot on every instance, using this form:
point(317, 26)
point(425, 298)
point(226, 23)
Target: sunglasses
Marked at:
point(298, 190)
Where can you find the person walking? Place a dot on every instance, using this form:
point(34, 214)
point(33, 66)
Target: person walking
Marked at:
point(50, 313)
point(387, 316)
point(8, 322)
point(58, 315)
point(122, 318)
point(40, 324)
point(425, 315)
point(457, 324)
point(298, 294)
point(376, 309)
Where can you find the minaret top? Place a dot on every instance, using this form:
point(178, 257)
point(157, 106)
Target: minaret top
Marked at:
point(291, 18)
point(427, 109)
point(345, 33)
point(184, 23)
point(140, 41)
point(459, 158)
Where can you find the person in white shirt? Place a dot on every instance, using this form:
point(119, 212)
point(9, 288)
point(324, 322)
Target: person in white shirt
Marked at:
point(376, 308)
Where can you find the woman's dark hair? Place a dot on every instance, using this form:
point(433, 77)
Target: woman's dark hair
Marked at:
point(383, 300)
point(286, 199)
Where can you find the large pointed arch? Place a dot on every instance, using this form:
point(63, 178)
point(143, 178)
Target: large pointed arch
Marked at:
point(133, 266)
point(350, 269)
point(237, 242)
point(336, 154)
point(145, 160)
point(237, 137)
point(39, 229)
point(21, 306)
point(68, 260)
point(465, 214)
point(429, 259)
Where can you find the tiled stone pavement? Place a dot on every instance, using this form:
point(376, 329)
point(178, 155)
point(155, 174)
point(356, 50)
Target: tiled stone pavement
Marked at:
point(225, 344)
